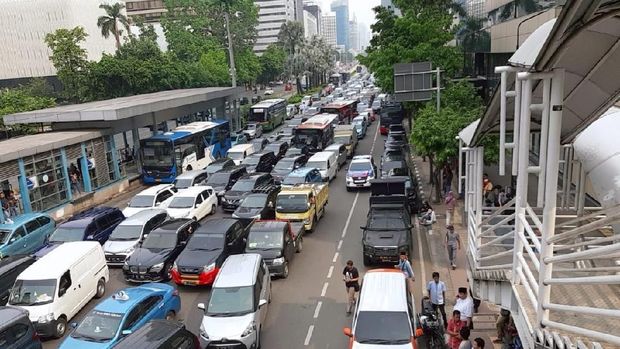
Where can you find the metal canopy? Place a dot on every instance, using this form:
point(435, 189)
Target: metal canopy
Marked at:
point(585, 41)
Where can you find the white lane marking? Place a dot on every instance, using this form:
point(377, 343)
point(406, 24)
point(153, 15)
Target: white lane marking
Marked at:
point(339, 245)
point(309, 335)
point(374, 141)
point(346, 224)
point(329, 273)
point(317, 309)
point(324, 290)
point(422, 266)
point(335, 257)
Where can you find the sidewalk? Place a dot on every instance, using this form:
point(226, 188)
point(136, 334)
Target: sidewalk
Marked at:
point(484, 320)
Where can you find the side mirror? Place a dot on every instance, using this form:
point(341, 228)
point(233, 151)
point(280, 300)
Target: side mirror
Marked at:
point(157, 204)
point(200, 306)
point(262, 302)
point(73, 324)
point(126, 332)
point(347, 332)
point(197, 205)
point(270, 204)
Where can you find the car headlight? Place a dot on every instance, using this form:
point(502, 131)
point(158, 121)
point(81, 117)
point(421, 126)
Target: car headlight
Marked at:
point(157, 267)
point(46, 318)
point(209, 267)
point(278, 261)
point(223, 199)
point(349, 178)
point(307, 221)
point(249, 330)
point(129, 250)
point(257, 216)
point(203, 332)
point(125, 264)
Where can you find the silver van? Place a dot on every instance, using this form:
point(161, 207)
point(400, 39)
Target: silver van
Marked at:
point(190, 178)
point(128, 234)
point(238, 303)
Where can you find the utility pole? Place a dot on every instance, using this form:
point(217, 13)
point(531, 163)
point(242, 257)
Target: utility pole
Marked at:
point(231, 54)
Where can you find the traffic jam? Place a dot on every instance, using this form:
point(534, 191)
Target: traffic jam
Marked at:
point(225, 214)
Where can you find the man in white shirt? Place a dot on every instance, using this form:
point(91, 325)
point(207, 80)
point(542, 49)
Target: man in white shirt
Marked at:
point(465, 305)
point(437, 292)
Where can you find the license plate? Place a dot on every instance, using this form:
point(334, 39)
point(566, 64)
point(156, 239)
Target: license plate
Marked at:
point(358, 182)
point(384, 258)
point(189, 282)
point(157, 180)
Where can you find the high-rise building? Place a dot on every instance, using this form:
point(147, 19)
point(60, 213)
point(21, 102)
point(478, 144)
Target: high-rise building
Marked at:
point(298, 7)
point(364, 36)
point(475, 8)
point(354, 39)
point(390, 5)
point(341, 8)
point(328, 28)
point(315, 9)
point(149, 10)
point(310, 26)
point(271, 15)
point(25, 24)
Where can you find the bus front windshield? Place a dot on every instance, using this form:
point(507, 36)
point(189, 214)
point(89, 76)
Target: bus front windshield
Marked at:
point(308, 136)
point(258, 115)
point(156, 153)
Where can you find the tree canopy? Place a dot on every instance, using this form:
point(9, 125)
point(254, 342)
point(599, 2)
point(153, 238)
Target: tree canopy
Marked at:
point(69, 59)
point(109, 24)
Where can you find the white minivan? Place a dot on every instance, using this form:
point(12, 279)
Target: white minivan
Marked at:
point(240, 151)
point(238, 303)
point(326, 162)
point(54, 288)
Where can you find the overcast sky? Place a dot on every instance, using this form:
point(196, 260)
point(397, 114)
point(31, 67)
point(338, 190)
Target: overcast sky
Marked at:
point(361, 8)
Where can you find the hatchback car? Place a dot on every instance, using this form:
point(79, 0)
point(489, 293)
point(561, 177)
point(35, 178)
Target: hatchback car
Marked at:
point(361, 170)
point(243, 187)
point(16, 330)
point(260, 162)
point(286, 165)
point(153, 260)
point(160, 334)
point(123, 313)
point(219, 164)
point(253, 130)
point(195, 203)
point(151, 197)
point(303, 175)
point(25, 233)
point(191, 178)
point(360, 125)
point(258, 205)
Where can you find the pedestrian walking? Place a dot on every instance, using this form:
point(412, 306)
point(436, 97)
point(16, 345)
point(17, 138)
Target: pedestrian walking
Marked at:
point(13, 204)
point(351, 282)
point(487, 187)
point(465, 333)
point(406, 268)
point(452, 243)
point(437, 291)
point(478, 343)
point(450, 202)
point(454, 330)
point(447, 179)
point(4, 203)
point(465, 305)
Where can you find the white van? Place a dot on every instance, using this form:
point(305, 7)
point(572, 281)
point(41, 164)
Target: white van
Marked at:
point(385, 312)
point(240, 151)
point(238, 303)
point(326, 162)
point(55, 288)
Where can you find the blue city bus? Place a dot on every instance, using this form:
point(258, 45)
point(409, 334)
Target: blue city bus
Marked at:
point(188, 147)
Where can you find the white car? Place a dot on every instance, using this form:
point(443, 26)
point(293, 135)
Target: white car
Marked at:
point(268, 92)
point(253, 130)
point(149, 198)
point(195, 203)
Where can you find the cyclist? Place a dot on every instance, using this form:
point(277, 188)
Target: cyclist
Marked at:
point(351, 283)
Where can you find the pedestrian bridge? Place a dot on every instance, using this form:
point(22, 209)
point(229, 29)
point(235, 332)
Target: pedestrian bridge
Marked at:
point(546, 256)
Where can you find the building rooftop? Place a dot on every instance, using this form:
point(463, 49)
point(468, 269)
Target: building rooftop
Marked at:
point(19, 147)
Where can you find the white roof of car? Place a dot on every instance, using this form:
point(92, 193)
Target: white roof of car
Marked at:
point(155, 189)
point(142, 216)
point(240, 147)
point(238, 270)
point(190, 174)
point(334, 147)
point(59, 260)
point(321, 156)
point(192, 191)
point(362, 158)
point(383, 291)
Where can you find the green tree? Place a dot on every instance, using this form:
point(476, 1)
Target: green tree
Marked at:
point(291, 37)
point(215, 66)
point(69, 59)
point(248, 66)
point(472, 37)
point(19, 100)
point(109, 23)
point(272, 63)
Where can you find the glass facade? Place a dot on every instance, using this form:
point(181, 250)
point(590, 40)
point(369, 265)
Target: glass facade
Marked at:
point(47, 185)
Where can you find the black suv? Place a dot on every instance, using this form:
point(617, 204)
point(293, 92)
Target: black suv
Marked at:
point(261, 162)
point(219, 164)
point(286, 165)
point(160, 334)
point(207, 250)
point(10, 268)
point(223, 180)
point(243, 187)
point(258, 205)
point(388, 225)
point(277, 242)
point(278, 148)
point(153, 260)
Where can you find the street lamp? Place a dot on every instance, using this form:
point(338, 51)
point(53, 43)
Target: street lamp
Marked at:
point(231, 54)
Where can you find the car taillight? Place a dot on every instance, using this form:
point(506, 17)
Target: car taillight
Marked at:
point(175, 292)
point(35, 336)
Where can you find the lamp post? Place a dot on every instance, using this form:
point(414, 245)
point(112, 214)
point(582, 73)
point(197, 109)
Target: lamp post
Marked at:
point(231, 54)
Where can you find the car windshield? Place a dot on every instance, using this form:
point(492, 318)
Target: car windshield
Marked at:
point(316, 164)
point(98, 326)
point(236, 155)
point(359, 166)
point(254, 201)
point(142, 201)
point(33, 292)
point(260, 240)
point(231, 301)
point(250, 127)
point(244, 185)
point(183, 183)
point(395, 138)
point(285, 164)
point(294, 203)
point(126, 232)
point(214, 167)
point(205, 242)
point(342, 139)
point(160, 240)
point(4, 235)
point(292, 180)
point(383, 327)
point(218, 178)
point(182, 202)
point(63, 234)
point(253, 160)
point(275, 148)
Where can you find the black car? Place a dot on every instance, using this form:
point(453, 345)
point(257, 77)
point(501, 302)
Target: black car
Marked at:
point(286, 165)
point(219, 164)
point(395, 140)
point(394, 168)
point(160, 334)
point(396, 128)
point(258, 205)
point(298, 149)
point(401, 184)
point(243, 187)
point(259, 143)
point(208, 248)
point(260, 162)
point(278, 148)
point(16, 330)
point(10, 268)
point(154, 258)
point(223, 180)
point(277, 242)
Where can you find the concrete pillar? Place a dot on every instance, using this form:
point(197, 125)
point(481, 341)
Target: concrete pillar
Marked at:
point(23, 187)
point(136, 149)
point(125, 139)
point(88, 186)
point(117, 169)
point(65, 173)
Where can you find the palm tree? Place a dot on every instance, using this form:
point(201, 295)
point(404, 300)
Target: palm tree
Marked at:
point(109, 23)
point(292, 36)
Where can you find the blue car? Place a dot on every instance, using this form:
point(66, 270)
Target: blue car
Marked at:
point(360, 126)
point(25, 233)
point(303, 175)
point(123, 313)
point(95, 224)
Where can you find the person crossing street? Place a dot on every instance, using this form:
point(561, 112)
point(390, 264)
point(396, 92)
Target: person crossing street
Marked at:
point(351, 282)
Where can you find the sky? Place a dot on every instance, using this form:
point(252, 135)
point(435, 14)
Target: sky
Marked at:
point(361, 8)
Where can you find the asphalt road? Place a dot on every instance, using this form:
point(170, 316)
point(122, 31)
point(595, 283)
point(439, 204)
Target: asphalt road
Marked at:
point(308, 308)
